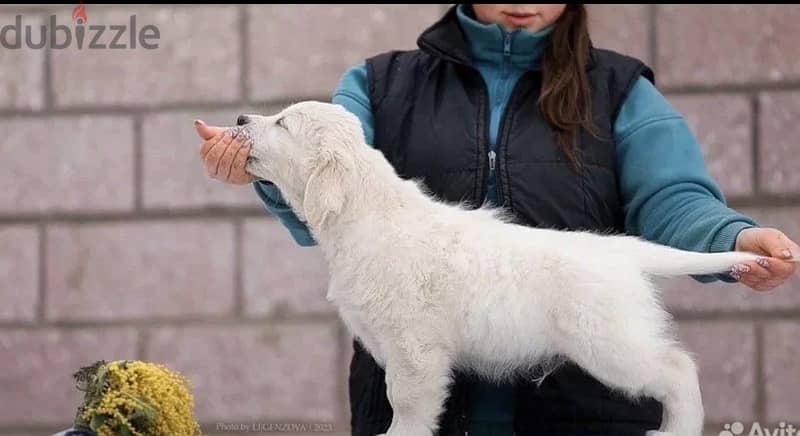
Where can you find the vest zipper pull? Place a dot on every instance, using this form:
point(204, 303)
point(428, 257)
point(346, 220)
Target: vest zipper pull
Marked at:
point(492, 157)
point(507, 45)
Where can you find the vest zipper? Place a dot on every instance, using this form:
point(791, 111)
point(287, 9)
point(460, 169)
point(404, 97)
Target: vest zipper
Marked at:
point(506, 60)
point(493, 154)
point(485, 130)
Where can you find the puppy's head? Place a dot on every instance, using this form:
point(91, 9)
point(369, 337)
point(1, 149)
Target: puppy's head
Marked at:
point(307, 150)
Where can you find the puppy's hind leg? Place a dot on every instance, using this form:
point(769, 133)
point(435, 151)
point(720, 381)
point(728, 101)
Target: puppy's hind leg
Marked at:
point(631, 353)
point(679, 391)
point(417, 379)
point(669, 375)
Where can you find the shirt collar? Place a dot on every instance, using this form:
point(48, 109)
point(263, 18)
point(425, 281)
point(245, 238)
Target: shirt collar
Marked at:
point(491, 43)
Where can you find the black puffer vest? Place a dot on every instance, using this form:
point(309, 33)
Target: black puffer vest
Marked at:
point(430, 109)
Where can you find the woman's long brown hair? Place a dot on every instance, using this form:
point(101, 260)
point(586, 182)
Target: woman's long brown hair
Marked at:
point(565, 100)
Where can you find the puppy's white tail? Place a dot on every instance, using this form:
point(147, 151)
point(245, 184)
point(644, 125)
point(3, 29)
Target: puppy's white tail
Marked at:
point(666, 261)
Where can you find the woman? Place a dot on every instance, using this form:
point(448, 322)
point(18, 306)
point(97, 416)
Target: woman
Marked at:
point(512, 104)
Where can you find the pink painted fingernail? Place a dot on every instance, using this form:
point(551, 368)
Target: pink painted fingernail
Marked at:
point(786, 253)
point(763, 262)
point(736, 276)
point(741, 268)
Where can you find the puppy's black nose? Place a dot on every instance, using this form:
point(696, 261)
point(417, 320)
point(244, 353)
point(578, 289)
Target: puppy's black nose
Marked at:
point(242, 120)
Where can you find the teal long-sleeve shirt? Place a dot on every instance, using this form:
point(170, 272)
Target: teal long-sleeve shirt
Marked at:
point(668, 195)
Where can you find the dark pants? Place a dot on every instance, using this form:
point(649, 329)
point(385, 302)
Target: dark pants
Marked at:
point(484, 428)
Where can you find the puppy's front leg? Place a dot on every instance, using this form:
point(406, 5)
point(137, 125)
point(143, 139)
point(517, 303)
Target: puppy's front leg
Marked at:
point(417, 379)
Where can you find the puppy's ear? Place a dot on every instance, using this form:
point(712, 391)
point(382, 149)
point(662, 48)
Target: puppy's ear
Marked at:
point(325, 189)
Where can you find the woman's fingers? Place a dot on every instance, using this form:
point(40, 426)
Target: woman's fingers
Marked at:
point(225, 171)
point(765, 274)
point(205, 131)
point(776, 244)
point(208, 144)
point(215, 154)
point(759, 269)
point(239, 174)
point(751, 270)
point(781, 269)
point(750, 273)
point(751, 281)
point(225, 153)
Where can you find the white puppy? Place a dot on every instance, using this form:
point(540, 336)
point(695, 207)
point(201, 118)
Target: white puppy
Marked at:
point(428, 287)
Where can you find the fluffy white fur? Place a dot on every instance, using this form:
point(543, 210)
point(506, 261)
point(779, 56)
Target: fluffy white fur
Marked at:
point(428, 286)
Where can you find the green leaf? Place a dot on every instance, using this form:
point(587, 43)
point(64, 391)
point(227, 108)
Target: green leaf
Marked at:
point(98, 421)
point(123, 431)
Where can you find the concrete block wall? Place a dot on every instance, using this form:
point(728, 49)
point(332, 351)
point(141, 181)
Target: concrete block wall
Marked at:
point(114, 244)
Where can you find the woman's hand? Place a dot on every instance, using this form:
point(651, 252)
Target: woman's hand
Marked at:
point(773, 271)
point(224, 155)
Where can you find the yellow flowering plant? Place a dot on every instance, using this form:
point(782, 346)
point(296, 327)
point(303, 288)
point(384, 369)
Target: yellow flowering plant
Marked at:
point(134, 398)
